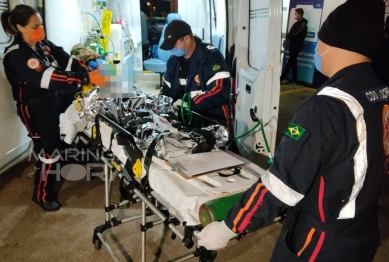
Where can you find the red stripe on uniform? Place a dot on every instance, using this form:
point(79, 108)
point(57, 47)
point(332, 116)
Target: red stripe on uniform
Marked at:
point(247, 206)
point(247, 218)
point(322, 218)
point(60, 76)
point(213, 89)
point(83, 65)
point(318, 247)
point(58, 79)
point(219, 85)
point(201, 98)
point(321, 195)
point(46, 179)
point(68, 80)
point(74, 80)
point(226, 115)
point(28, 114)
point(40, 182)
point(25, 120)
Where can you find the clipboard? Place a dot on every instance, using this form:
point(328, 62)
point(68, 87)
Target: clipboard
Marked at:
point(201, 163)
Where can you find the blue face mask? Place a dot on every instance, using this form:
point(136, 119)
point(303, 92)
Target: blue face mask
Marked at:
point(318, 58)
point(178, 51)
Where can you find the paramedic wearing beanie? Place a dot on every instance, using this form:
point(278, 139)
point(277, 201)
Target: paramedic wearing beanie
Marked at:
point(39, 73)
point(198, 69)
point(296, 38)
point(329, 166)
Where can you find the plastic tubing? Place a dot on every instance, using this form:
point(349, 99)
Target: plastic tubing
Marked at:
point(263, 135)
point(101, 33)
point(190, 115)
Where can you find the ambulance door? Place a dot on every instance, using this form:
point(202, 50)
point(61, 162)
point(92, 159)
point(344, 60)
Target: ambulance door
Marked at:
point(200, 15)
point(255, 26)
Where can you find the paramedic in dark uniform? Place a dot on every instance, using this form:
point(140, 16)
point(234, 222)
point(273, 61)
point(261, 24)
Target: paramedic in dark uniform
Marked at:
point(40, 73)
point(329, 166)
point(198, 69)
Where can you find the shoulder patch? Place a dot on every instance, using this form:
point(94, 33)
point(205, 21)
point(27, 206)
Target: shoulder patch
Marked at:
point(294, 131)
point(210, 47)
point(215, 67)
point(33, 63)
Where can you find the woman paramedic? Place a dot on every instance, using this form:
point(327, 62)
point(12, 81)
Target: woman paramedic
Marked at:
point(40, 73)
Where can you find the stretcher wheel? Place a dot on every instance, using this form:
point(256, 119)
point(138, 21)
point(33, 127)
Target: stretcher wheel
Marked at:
point(97, 244)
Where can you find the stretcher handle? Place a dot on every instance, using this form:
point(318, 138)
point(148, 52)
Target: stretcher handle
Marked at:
point(112, 123)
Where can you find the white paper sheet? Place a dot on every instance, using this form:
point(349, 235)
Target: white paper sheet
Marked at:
point(180, 192)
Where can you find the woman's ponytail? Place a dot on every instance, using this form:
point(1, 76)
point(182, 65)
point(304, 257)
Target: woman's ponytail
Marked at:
point(20, 15)
point(9, 29)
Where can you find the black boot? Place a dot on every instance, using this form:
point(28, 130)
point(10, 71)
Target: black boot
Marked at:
point(53, 205)
point(50, 205)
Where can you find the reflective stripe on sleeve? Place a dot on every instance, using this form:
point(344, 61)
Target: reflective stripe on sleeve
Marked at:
point(166, 82)
point(69, 66)
point(14, 47)
point(281, 191)
point(219, 75)
point(45, 82)
point(360, 157)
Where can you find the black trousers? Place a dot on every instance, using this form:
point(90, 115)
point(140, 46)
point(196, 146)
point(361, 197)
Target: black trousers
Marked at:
point(340, 240)
point(291, 64)
point(41, 118)
point(47, 172)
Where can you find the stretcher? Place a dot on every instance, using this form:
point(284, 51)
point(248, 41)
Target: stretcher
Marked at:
point(182, 203)
point(166, 193)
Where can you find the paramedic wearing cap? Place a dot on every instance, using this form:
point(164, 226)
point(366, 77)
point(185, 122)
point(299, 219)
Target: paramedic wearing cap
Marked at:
point(37, 70)
point(199, 69)
point(329, 166)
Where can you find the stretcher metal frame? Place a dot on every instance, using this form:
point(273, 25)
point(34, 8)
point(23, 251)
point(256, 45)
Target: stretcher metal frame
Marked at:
point(151, 204)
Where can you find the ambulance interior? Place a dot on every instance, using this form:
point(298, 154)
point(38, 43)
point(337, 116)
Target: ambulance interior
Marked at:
point(250, 35)
point(130, 46)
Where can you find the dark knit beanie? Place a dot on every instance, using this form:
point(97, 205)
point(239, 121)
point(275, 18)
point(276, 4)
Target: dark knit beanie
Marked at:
point(356, 25)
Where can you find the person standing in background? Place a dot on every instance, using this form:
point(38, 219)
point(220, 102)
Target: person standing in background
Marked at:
point(296, 36)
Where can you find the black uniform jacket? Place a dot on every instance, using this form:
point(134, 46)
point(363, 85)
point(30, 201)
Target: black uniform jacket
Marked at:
point(327, 172)
point(209, 67)
point(31, 76)
point(37, 76)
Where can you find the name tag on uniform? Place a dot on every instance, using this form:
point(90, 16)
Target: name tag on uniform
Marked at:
point(377, 95)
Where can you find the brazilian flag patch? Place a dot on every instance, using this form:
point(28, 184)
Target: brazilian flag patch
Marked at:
point(294, 131)
point(215, 68)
